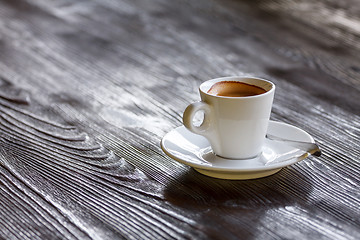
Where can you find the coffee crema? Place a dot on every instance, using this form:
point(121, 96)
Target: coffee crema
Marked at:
point(235, 89)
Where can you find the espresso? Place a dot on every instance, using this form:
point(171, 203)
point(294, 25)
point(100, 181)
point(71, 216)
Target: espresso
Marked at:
point(235, 89)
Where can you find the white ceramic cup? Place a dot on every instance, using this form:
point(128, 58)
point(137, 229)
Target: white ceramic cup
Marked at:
point(234, 126)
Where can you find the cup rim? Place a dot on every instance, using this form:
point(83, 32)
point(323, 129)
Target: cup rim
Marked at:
point(205, 86)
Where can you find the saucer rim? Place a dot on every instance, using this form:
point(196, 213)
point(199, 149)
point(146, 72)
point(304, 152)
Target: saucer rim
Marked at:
point(243, 170)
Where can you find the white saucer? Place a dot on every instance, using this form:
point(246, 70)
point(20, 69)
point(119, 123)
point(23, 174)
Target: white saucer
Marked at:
point(195, 151)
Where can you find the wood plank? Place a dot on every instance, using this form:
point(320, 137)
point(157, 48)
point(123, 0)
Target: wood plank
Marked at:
point(88, 89)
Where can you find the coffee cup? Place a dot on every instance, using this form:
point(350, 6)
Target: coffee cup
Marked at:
point(236, 115)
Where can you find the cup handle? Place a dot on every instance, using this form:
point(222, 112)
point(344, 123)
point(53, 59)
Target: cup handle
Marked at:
point(189, 114)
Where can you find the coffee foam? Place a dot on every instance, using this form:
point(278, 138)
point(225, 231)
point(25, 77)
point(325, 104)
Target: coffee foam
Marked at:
point(235, 89)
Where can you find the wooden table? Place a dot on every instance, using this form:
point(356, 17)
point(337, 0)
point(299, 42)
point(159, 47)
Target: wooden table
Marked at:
point(89, 88)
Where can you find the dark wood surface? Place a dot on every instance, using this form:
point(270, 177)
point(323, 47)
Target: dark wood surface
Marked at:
point(89, 88)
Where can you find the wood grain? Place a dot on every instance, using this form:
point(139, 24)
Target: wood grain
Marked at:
point(89, 88)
